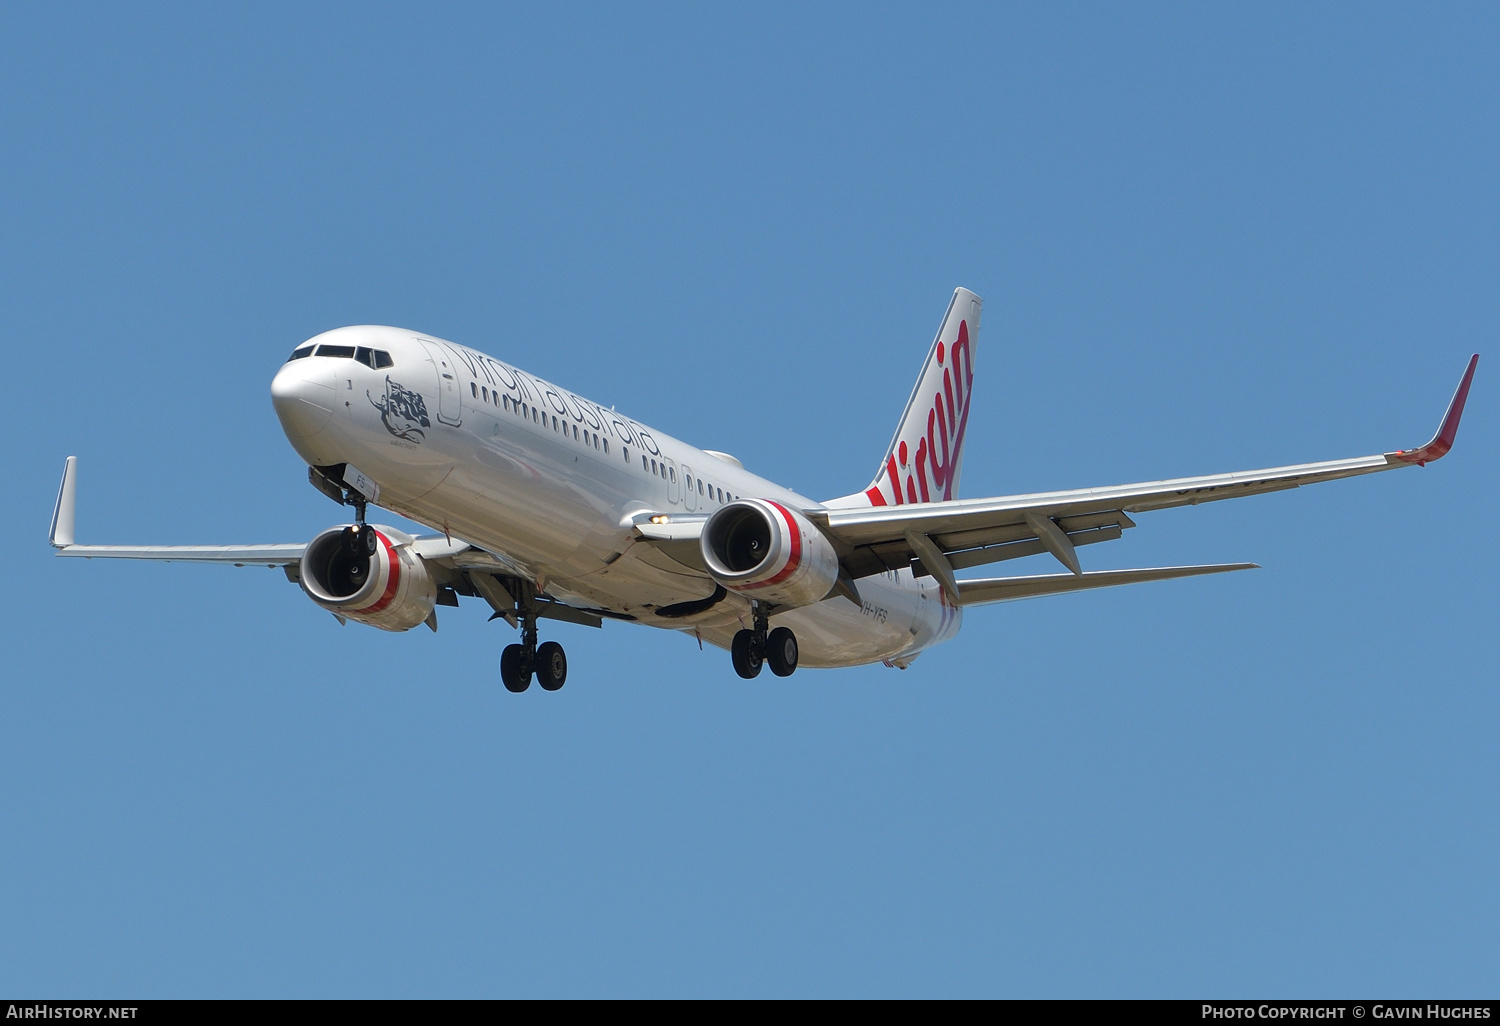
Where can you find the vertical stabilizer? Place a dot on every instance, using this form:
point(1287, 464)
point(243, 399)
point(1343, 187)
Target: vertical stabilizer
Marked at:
point(926, 455)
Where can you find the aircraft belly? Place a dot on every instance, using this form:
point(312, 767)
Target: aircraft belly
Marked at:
point(836, 632)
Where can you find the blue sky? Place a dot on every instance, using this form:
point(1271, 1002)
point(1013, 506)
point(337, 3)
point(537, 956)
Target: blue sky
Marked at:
point(1209, 238)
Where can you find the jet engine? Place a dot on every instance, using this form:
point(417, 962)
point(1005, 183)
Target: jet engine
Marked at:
point(767, 552)
point(370, 575)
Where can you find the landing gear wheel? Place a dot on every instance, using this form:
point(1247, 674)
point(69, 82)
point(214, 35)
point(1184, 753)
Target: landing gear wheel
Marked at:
point(551, 666)
point(747, 653)
point(515, 669)
point(781, 651)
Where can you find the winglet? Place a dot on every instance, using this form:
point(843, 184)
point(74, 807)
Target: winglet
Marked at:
point(1443, 440)
point(61, 534)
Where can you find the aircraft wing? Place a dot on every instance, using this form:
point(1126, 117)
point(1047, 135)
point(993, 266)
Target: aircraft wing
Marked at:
point(64, 517)
point(238, 555)
point(947, 536)
point(451, 553)
point(460, 568)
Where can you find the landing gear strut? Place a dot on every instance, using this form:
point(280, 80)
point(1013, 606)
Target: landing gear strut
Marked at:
point(754, 647)
point(519, 662)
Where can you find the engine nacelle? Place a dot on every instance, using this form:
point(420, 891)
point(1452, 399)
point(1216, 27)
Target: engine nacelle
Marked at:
point(767, 552)
point(365, 574)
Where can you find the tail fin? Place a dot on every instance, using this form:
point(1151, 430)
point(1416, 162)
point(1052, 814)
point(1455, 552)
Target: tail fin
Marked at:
point(927, 452)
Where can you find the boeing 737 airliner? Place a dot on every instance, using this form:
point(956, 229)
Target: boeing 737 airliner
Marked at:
point(552, 506)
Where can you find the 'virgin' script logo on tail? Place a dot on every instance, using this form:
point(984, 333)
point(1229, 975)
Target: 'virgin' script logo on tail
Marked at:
point(929, 473)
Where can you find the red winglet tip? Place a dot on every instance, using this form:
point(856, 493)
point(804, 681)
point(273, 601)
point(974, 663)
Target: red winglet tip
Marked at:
point(1448, 431)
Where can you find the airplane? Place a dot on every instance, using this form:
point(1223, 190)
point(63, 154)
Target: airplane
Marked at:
point(551, 506)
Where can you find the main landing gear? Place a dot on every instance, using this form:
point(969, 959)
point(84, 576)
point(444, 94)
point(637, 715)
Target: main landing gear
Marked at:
point(755, 647)
point(547, 661)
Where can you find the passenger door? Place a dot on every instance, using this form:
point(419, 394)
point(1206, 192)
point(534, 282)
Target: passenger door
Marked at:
point(450, 397)
point(674, 482)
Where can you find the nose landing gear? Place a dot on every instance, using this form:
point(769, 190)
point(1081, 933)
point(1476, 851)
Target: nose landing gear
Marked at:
point(754, 647)
point(518, 663)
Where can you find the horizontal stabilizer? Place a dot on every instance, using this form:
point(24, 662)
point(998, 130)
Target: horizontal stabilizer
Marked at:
point(1005, 589)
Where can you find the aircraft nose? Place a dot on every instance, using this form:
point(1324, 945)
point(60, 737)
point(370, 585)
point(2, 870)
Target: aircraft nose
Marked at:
point(303, 393)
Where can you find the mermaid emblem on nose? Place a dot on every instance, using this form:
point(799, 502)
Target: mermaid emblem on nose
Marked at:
point(402, 411)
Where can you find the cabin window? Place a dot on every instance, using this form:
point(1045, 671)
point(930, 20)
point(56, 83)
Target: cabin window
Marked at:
point(474, 389)
point(643, 462)
point(575, 432)
point(484, 394)
point(606, 447)
point(721, 495)
point(672, 474)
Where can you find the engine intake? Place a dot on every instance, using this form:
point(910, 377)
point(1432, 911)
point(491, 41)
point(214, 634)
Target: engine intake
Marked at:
point(765, 551)
point(370, 575)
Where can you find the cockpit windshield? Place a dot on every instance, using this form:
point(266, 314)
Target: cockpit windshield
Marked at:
point(375, 359)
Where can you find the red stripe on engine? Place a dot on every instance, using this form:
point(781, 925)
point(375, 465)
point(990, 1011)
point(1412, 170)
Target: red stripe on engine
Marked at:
point(794, 560)
point(392, 583)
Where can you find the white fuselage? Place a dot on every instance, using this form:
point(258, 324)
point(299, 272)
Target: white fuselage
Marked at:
point(551, 482)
